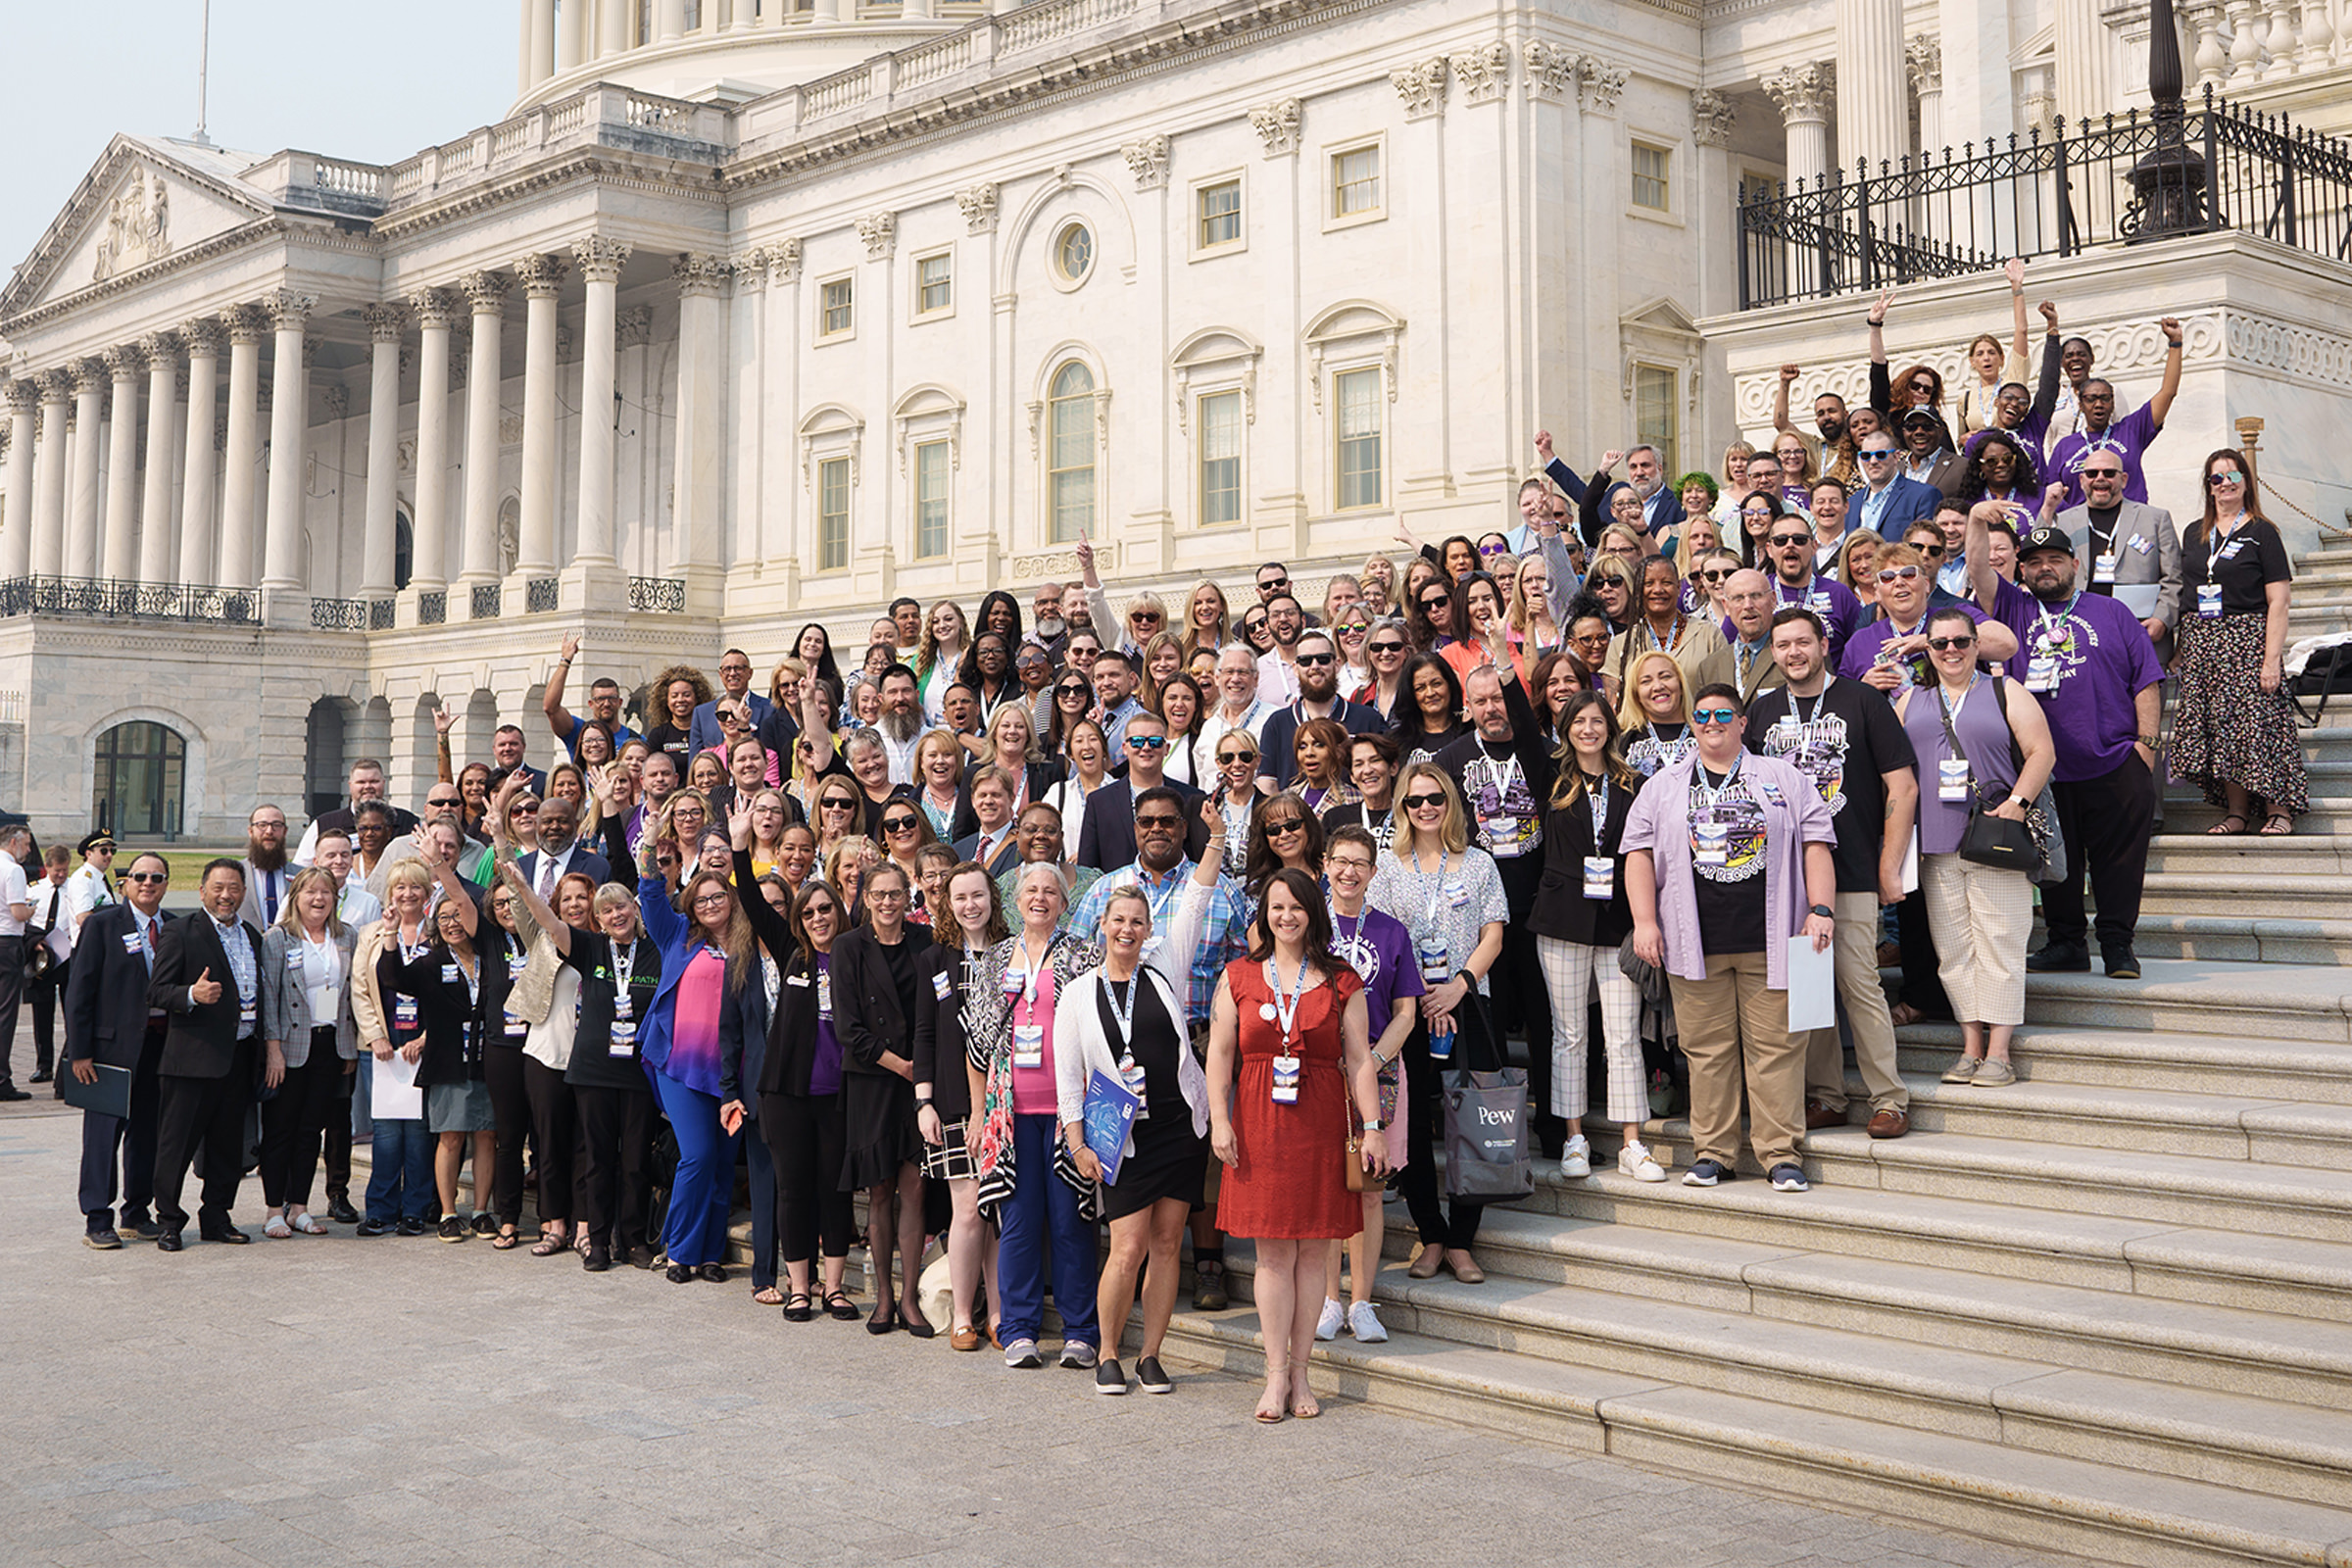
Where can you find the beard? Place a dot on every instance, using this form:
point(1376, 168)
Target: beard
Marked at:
point(266, 857)
point(1832, 426)
point(1049, 627)
point(900, 727)
point(1645, 488)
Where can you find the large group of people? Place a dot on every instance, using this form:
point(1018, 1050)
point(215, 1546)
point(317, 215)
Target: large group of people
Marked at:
point(1117, 910)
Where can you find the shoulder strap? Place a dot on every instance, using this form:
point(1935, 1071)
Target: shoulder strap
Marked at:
point(2017, 758)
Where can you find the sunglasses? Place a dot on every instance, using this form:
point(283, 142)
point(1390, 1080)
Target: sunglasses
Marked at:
point(1717, 575)
point(1314, 661)
point(1289, 824)
point(146, 876)
point(2116, 473)
point(1275, 583)
point(1164, 824)
point(1253, 623)
point(1145, 743)
point(1145, 617)
point(1228, 759)
point(1931, 552)
point(1779, 540)
point(527, 810)
point(444, 800)
point(1074, 689)
point(1897, 573)
point(1385, 648)
point(1876, 454)
point(1436, 602)
point(2217, 481)
point(1944, 644)
point(835, 806)
point(899, 824)
point(1713, 716)
point(1424, 802)
point(1491, 549)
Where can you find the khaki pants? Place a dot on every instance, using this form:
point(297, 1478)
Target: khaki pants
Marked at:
point(1735, 1027)
point(1866, 1016)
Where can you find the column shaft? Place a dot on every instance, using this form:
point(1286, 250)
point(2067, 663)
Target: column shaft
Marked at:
point(289, 430)
point(198, 529)
point(1874, 120)
point(83, 519)
point(17, 527)
point(121, 467)
point(487, 293)
point(240, 464)
point(161, 352)
point(702, 388)
point(379, 538)
point(600, 262)
point(428, 550)
point(542, 276)
point(49, 479)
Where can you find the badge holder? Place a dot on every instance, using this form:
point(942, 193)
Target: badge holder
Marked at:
point(1601, 876)
point(2209, 601)
point(1286, 1080)
point(1951, 779)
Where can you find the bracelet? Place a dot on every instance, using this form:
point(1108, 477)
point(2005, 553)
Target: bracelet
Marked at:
point(923, 1104)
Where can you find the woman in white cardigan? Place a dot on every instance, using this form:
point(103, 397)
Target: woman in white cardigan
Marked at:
point(1125, 1021)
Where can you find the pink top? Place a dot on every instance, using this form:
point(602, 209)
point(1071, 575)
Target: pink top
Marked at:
point(1035, 1093)
point(775, 773)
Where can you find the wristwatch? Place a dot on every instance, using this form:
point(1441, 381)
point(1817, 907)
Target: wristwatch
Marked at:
point(1824, 910)
point(2021, 801)
point(1372, 1126)
point(2150, 741)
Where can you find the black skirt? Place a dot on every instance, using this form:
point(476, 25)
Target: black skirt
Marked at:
point(882, 1131)
point(1169, 1161)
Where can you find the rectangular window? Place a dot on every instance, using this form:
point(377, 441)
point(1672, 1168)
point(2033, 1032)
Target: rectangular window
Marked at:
point(837, 297)
point(934, 284)
point(1649, 176)
point(931, 498)
point(833, 515)
point(1653, 413)
point(1220, 213)
point(1355, 182)
point(1220, 459)
point(1356, 395)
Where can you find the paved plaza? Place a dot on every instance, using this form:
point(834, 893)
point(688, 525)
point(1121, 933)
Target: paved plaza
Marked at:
point(404, 1401)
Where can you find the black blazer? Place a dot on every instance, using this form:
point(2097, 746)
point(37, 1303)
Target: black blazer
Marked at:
point(869, 1016)
point(593, 1063)
point(742, 1041)
point(583, 859)
point(784, 1066)
point(106, 993)
point(1561, 909)
point(497, 947)
point(1106, 838)
point(202, 1041)
point(447, 1010)
point(1039, 776)
point(939, 1045)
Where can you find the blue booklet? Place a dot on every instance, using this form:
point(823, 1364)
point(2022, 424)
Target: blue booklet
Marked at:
point(1111, 1111)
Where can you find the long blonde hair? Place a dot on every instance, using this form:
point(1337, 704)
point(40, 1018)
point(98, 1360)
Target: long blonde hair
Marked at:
point(1454, 832)
point(1631, 716)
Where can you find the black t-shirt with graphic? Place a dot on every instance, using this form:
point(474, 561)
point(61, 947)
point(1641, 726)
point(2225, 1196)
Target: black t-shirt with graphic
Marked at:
point(1843, 740)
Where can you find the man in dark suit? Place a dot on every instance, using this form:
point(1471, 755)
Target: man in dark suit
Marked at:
point(992, 843)
point(1318, 698)
point(367, 784)
point(506, 755)
point(267, 873)
point(1107, 836)
point(208, 978)
point(559, 852)
point(734, 681)
point(109, 1021)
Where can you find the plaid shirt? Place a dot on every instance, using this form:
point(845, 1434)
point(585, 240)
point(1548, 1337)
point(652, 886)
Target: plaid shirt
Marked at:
point(1224, 928)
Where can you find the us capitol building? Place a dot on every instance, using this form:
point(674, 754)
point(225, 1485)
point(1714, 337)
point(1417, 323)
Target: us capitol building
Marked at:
point(748, 314)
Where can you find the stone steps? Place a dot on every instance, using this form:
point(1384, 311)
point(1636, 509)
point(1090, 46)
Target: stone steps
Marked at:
point(2284, 896)
point(2248, 860)
point(2249, 938)
point(2258, 1002)
point(2046, 1498)
point(2165, 1060)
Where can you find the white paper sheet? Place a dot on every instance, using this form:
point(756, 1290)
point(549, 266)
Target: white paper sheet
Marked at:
point(1911, 863)
point(1812, 985)
point(394, 1095)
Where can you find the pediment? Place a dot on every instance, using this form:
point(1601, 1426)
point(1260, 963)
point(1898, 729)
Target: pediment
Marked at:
point(139, 206)
point(1663, 315)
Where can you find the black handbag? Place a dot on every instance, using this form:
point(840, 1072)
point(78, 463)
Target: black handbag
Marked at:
point(1988, 840)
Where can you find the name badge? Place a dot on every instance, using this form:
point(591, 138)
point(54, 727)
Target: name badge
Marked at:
point(516, 1028)
point(1436, 964)
point(1131, 1073)
point(517, 963)
point(2103, 570)
point(2139, 543)
point(1951, 779)
point(130, 942)
point(625, 1038)
point(2209, 601)
point(1456, 893)
point(1286, 1080)
point(1601, 876)
point(622, 1007)
point(449, 974)
point(1784, 729)
point(940, 986)
point(1028, 1044)
point(1817, 603)
point(403, 1013)
point(1713, 843)
point(824, 996)
point(2041, 674)
point(247, 1013)
point(796, 980)
point(1016, 981)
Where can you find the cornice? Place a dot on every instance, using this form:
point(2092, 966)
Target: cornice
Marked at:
point(610, 167)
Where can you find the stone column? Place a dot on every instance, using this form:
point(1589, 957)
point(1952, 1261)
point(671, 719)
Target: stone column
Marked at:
point(379, 538)
point(542, 279)
point(572, 42)
point(669, 20)
point(428, 561)
point(289, 430)
point(2079, 59)
point(1803, 94)
point(1923, 57)
point(17, 528)
point(1874, 121)
point(600, 262)
point(539, 40)
point(161, 349)
point(701, 392)
point(243, 455)
point(49, 478)
point(122, 367)
point(486, 292)
point(197, 524)
point(81, 516)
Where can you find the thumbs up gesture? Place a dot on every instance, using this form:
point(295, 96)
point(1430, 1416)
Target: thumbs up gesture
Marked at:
point(206, 990)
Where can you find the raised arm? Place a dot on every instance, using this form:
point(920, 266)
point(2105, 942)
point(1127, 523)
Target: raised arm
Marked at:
point(549, 921)
point(2045, 386)
point(454, 887)
point(1982, 580)
point(1098, 599)
point(2170, 388)
point(1555, 470)
point(550, 702)
point(442, 720)
point(769, 927)
point(1561, 580)
point(2016, 269)
point(1881, 390)
point(1780, 402)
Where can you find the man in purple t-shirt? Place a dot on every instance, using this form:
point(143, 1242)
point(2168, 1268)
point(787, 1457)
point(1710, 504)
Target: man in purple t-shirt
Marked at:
point(1796, 585)
point(2131, 436)
point(2088, 662)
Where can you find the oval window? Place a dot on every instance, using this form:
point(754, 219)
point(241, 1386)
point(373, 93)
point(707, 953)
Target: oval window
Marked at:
point(1074, 253)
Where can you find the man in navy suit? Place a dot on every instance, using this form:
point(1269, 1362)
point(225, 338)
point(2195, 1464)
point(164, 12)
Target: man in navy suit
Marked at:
point(108, 1021)
point(1889, 498)
point(735, 681)
point(208, 976)
point(993, 845)
point(559, 852)
point(1106, 833)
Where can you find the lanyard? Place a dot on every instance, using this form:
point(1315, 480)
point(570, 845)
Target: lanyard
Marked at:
point(1951, 709)
point(1285, 1003)
point(2050, 625)
point(1707, 795)
point(1501, 775)
point(2216, 547)
point(1803, 718)
point(624, 964)
point(1124, 1009)
point(1596, 796)
point(1437, 890)
point(1029, 972)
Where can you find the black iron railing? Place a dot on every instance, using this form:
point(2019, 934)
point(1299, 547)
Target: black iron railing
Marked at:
point(338, 614)
point(432, 609)
point(663, 595)
point(486, 601)
point(541, 595)
point(110, 598)
point(2123, 180)
point(381, 615)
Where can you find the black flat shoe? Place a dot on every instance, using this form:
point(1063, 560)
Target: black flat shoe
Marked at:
point(840, 1307)
point(340, 1209)
point(679, 1273)
point(715, 1273)
point(168, 1240)
point(228, 1235)
point(597, 1261)
point(797, 1308)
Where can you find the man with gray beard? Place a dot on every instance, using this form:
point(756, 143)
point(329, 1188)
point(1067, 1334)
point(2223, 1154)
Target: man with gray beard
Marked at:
point(900, 724)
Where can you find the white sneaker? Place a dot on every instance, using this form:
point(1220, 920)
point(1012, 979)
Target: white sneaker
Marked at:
point(1364, 1324)
point(1635, 1161)
point(1575, 1160)
point(1327, 1327)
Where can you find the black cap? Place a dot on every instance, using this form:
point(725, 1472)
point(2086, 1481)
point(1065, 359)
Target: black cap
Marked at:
point(2045, 537)
point(1922, 416)
point(93, 840)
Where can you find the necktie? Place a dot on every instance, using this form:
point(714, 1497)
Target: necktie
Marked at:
point(147, 936)
point(981, 859)
point(547, 875)
point(270, 898)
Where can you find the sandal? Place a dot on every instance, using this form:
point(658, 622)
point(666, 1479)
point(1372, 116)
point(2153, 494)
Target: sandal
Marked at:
point(304, 1225)
point(278, 1229)
point(549, 1244)
point(2222, 829)
point(2277, 825)
point(1280, 1397)
point(507, 1242)
point(797, 1308)
point(839, 1306)
point(769, 1296)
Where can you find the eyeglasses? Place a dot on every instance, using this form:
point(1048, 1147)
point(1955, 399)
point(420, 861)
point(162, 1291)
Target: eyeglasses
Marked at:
point(1144, 618)
point(1713, 716)
point(1876, 454)
point(526, 809)
point(1781, 540)
point(1944, 644)
point(898, 824)
point(1289, 824)
point(1897, 573)
point(2108, 474)
point(1436, 602)
point(1161, 821)
point(2217, 481)
point(886, 895)
point(1492, 549)
point(1424, 802)
point(146, 876)
point(1275, 583)
point(835, 806)
point(1383, 648)
point(1145, 743)
point(713, 900)
point(443, 800)
point(1072, 689)
point(1931, 552)
point(1346, 862)
point(1314, 661)
point(729, 715)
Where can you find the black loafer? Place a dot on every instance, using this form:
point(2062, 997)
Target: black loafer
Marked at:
point(680, 1273)
point(340, 1209)
point(228, 1235)
point(597, 1261)
point(715, 1273)
point(167, 1240)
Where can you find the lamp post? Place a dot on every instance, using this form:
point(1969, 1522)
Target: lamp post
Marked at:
point(2168, 182)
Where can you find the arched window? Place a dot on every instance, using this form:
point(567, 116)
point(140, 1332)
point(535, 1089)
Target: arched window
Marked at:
point(141, 780)
point(404, 548)
point(1070, 459)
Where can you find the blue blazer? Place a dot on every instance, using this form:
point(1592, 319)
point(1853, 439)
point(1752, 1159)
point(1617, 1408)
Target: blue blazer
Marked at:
point(1907, 502)
point(673, 934)
point(703, 731)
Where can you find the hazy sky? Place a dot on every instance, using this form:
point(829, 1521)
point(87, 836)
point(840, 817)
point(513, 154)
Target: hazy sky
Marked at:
point(372, 81)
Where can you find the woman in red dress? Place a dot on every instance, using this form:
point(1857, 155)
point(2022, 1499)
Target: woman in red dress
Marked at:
point(1288, 1021)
